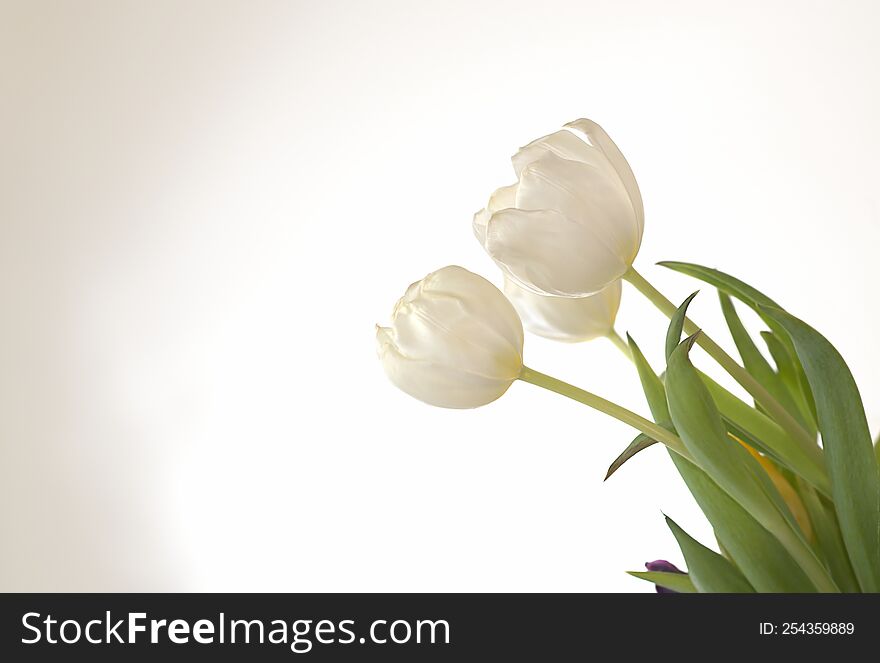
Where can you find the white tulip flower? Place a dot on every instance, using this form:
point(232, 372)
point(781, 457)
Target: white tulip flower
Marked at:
point(572, 223)
point(454, 341)
point(568, 319)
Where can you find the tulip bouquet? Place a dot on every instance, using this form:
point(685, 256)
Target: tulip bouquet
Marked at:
point(789, 481)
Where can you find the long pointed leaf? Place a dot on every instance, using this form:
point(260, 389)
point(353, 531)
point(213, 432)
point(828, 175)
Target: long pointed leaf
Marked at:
point(758, 554)
point(770, 436)
point(748, 295)
point(676, 324)
point(828, 539)
point(754, 362)
point(722, 281)
point(701, 429)
point(656, 397)
point(708, 570)
point(792, 374)
point(652, 385)
point(699, 425)
point(640, 443)
point(855, 480)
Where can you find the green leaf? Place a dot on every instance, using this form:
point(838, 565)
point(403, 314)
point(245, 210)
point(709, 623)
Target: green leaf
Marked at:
point(748, 295)
point(828, 538)
point(852, 467)
point(676, 323)
point(706, 438)
point(792, 374)
point(709, 571)
point(754, 362)
point(767, 436)
point(729, 284)
point(656, 397)
point(677, 582)
point(641, 442)
point(700, 427)
point(758, 554)
point(655, 392)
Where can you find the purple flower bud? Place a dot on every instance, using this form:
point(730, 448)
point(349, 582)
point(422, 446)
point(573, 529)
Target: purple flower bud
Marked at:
point(665, 567)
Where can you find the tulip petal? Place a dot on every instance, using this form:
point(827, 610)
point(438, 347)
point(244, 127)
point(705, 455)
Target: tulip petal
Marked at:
point(481, 220)
point(586, 194)
point(567, 319)
point(479, 300)
point(438, 331)
point(546, 253)
point(503, 197)
point(500, 199)
point(602, 140)
point(436, 384)
point(564, 144)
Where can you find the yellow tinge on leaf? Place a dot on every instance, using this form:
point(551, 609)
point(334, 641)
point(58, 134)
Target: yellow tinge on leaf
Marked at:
point(786, 490)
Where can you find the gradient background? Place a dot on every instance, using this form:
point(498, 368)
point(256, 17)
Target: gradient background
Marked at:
point(206, 206)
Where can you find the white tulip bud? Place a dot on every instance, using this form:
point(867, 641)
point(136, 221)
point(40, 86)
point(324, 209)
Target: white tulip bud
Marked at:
point(568, 319)
point(454, 341)
point(572, 224)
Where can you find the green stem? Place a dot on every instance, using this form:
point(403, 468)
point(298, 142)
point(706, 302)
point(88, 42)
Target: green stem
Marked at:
point(729, 364)
point(619, 343)
point(620, 413)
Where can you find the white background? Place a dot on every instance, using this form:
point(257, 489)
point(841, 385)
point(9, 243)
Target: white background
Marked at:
point(205, 208)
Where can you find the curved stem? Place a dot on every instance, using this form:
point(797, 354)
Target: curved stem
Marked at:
point(619, 343)
point(729, 364)
point(620, 413)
